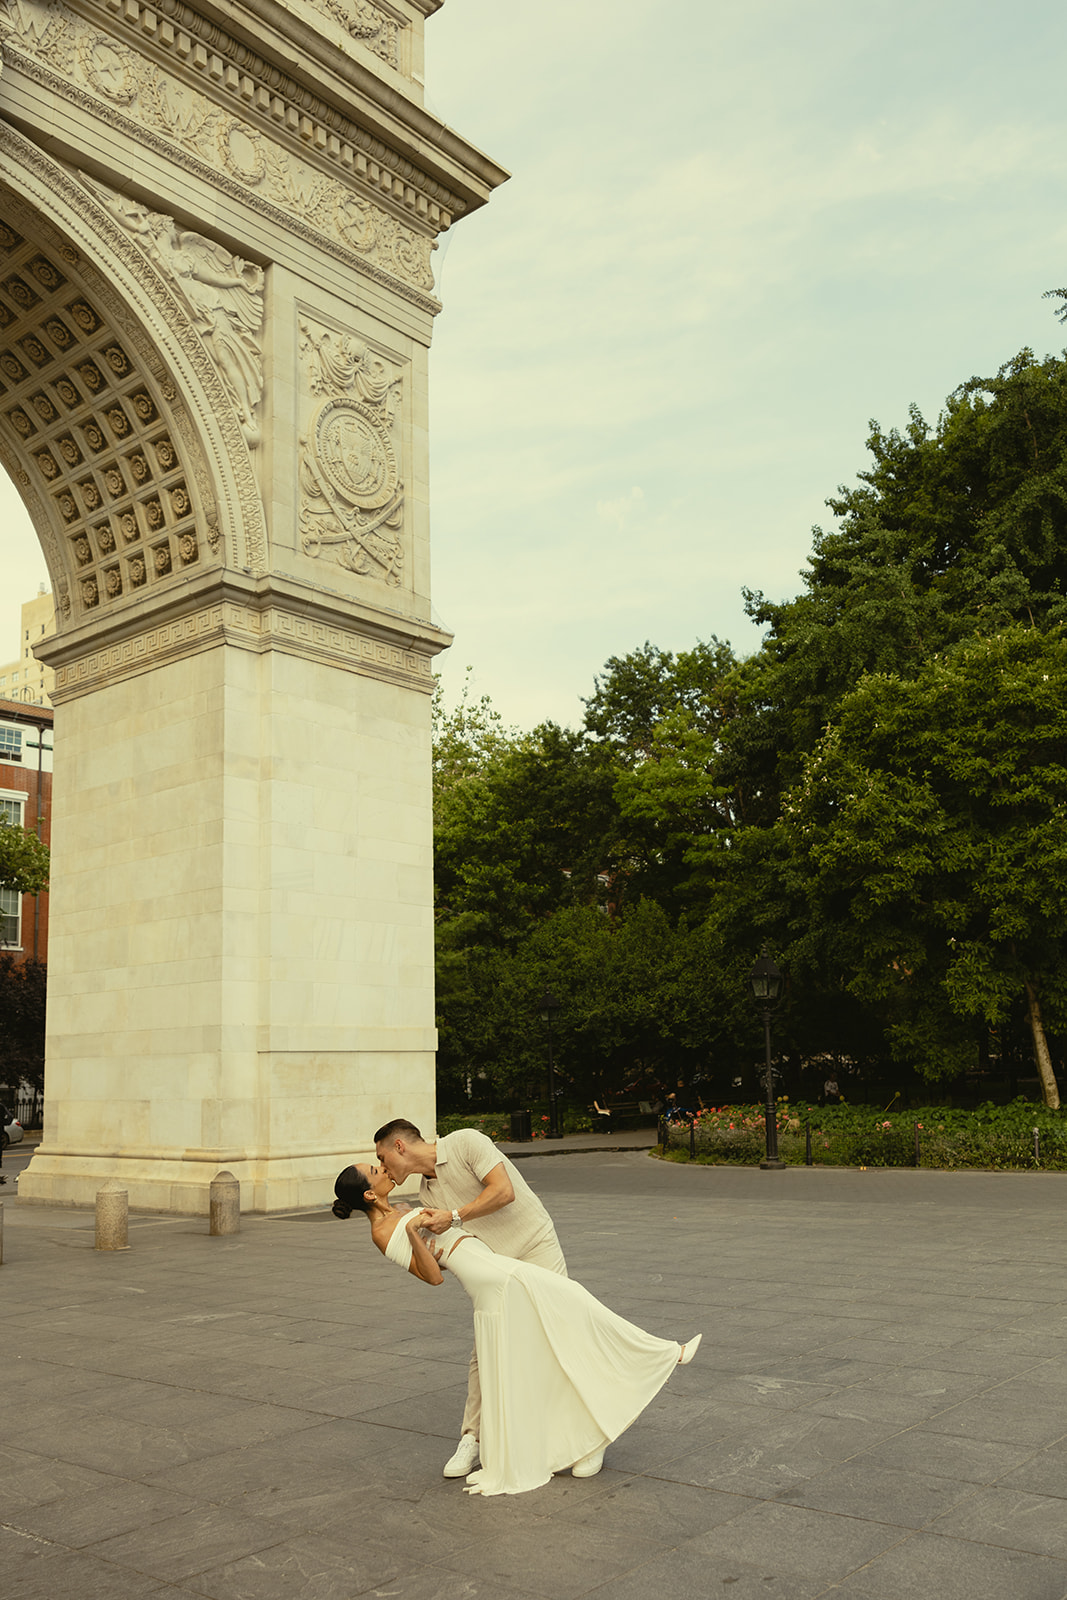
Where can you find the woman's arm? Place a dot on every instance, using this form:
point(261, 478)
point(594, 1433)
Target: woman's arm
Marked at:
point(417, 1258)
point(424, 1261)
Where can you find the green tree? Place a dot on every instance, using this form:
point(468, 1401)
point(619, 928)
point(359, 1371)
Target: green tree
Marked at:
point(23, 986)
point(466, 739)
point(661, 718)
point(930, 829)
point(23, 860)
point(528, 833)
point(956, 528)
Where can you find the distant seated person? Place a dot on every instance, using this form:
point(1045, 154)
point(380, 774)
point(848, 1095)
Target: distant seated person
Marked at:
point(604, 1112)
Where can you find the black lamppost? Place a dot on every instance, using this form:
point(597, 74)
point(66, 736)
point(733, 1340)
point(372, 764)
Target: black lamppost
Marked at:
point(766, 981)
point(549, 1007)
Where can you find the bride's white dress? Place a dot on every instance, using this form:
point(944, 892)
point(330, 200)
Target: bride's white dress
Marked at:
point(561, 1375)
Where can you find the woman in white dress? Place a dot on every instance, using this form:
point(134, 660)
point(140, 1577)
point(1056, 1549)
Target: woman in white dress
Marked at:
point(562, 1376)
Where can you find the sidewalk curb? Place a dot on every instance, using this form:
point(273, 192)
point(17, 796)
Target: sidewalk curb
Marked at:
point(543, 1147)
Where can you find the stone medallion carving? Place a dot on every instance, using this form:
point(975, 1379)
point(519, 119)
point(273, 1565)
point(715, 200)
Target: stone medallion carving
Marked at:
point(241, 149)
point(352, 493)
point(111, 69)
point(354, 455)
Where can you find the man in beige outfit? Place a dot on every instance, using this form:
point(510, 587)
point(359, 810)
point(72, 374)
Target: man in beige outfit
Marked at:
point(466, 1180)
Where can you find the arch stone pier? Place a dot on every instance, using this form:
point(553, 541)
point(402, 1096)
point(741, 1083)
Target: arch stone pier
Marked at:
point(216, 301)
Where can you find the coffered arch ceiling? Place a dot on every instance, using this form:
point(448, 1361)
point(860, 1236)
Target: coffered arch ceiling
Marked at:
point(120, 435)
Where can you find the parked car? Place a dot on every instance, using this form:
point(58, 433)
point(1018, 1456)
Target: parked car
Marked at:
point(12, 1130)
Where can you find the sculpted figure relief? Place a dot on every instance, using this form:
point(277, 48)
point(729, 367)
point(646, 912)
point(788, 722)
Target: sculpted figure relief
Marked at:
point(222, 293)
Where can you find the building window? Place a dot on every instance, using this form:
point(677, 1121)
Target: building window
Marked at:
point(10, 899)
point(10, 919)
point(10, 749)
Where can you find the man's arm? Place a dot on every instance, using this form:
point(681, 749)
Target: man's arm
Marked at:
point(497, 1192)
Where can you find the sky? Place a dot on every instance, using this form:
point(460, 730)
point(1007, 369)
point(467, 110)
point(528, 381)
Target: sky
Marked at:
point(734, 233)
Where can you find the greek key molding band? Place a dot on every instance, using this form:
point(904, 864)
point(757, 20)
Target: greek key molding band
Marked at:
point(259, 624)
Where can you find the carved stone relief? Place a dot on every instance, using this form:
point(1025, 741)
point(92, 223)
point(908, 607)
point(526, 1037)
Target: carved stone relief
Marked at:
point(159, 109)
point(351, 490)
point(222, 293)
point(90, 436)
point(365, 22)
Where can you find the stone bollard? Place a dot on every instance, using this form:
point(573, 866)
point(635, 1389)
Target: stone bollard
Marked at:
point(225, 1203)
point(112, 1213)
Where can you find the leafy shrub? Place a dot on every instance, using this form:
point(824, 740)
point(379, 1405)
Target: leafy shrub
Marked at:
point(497, 1124)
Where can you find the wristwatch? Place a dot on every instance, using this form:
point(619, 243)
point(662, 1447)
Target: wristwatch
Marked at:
point(456, 1219)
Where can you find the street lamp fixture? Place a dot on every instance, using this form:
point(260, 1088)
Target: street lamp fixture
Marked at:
point(766, 983)
point(549, 1008)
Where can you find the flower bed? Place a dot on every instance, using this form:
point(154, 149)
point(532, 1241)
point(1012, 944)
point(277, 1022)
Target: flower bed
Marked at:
point(1000, 1138)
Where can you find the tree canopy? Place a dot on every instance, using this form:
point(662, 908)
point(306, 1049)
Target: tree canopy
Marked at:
point(879, 792)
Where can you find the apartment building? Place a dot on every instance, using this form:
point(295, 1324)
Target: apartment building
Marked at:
point(25, 679)
point(25, 801)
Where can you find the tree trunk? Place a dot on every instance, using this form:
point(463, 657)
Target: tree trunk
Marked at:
point(1049, 1087)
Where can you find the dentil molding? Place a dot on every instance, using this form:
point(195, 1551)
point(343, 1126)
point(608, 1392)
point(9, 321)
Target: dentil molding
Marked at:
point(315, 174)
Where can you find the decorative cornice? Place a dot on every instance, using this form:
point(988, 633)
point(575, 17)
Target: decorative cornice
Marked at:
point(259, 83)
point(403, 125)
point(227, 153)
point(260, 617)
point(406, 157)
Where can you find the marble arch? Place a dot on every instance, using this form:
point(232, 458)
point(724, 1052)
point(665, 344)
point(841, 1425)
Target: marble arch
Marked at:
point(216, 302)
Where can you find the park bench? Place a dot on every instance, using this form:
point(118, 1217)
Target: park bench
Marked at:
point(623, 1113)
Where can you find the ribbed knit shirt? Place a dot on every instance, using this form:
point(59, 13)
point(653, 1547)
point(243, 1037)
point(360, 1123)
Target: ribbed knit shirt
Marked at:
point(464, 1159)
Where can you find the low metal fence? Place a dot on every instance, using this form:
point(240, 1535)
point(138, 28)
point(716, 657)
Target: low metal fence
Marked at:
point(29, 1108)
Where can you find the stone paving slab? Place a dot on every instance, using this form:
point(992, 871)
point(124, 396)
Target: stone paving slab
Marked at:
point(878, 1410)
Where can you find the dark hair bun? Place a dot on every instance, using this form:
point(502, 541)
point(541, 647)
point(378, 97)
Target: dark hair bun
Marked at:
point(342, 1209)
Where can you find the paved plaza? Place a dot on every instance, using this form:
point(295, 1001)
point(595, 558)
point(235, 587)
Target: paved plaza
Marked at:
point(878, 1410)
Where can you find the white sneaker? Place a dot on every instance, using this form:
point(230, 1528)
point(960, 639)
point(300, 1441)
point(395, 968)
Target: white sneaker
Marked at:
point(465, 1459)
point(589, 1465)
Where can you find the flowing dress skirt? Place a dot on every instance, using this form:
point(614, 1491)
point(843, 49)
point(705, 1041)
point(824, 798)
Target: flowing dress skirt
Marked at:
point(561, 1375)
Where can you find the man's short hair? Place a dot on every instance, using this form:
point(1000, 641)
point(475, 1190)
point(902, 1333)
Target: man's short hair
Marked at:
point(399, 1128)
